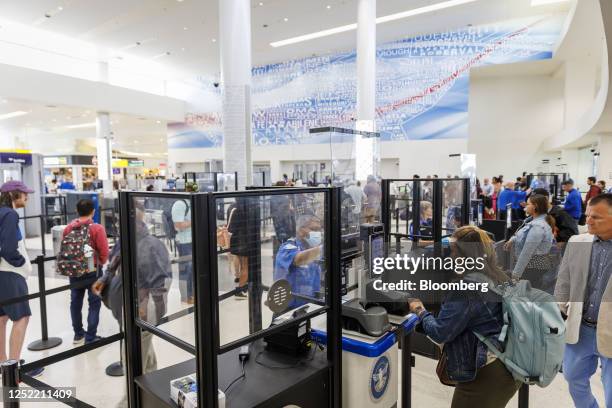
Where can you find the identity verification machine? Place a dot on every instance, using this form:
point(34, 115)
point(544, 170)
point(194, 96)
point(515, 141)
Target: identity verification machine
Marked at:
point(371, 334)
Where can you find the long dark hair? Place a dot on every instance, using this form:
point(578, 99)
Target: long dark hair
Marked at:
point(540, 202)
point(472, 242)
point(7, 198)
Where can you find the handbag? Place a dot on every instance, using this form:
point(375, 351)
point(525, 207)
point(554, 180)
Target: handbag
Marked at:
point(23, 270)
point(223, 234)
point(442, 371)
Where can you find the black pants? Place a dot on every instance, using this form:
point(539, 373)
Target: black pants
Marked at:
point(493, 387)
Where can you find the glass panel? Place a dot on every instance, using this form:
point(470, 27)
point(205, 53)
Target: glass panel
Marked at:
point(205, 182)
point(452, 205)
point(226, 182)
point(269, 246)
point(163, 273)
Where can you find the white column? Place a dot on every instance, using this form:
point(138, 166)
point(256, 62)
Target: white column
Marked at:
point(235, 48)
point(366, 151)
point(604, 164)
point(104, 151)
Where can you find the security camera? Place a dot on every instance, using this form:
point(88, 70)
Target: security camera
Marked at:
point(592, 150)
point(216, 84)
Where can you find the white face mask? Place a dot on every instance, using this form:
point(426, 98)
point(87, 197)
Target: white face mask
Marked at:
point(314, 238)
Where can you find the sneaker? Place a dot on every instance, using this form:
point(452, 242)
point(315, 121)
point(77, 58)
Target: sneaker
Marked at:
point(78, 339)
point(37, 372)
point(93, 340)
point(242, 295)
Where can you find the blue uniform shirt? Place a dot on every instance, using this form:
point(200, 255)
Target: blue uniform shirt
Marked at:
point(504, 198)
point(304, 280)
point(518, 197)
point(573, 204)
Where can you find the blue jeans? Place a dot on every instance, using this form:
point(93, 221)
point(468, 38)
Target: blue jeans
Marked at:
point(185, 271)
point(76, 307)
point(580, 363)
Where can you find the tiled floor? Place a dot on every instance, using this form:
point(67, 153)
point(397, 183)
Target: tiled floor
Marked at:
point(86, 372)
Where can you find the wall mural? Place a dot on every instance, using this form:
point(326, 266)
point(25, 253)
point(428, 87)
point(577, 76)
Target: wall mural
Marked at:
point(422, 86)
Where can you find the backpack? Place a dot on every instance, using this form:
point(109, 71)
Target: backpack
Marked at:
point(169, 223)
point(533, 334)
point(76, 256)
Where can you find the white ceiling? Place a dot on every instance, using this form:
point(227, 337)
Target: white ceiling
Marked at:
point(188, 31)
point(172, 26)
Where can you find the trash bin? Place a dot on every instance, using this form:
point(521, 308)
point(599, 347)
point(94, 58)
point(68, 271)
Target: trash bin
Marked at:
point(370, 370)
point(56, 233)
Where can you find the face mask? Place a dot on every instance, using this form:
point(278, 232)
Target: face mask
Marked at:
point(314, 238)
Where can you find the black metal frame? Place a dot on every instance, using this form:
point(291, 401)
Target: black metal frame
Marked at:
point(204, 224)
point(437, 202)
point(192, 175)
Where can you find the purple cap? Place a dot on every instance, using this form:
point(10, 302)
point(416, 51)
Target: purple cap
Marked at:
point(15, 185)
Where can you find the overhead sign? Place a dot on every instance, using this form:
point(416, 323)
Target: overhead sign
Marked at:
point(136, 163)
point(120, 163)
point(16, 158)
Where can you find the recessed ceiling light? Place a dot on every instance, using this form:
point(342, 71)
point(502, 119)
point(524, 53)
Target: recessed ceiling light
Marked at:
point(5, 101)
point(285, 19)
point(384, 19)
point(183, 49)
point(159, 121)
point(214, 40)
point(180, 1)
point(260, 3)
point(60, 8)
point(328, 7)
point(185, 28)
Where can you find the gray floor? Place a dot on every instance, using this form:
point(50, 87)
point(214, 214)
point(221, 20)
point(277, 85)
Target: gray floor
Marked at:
point(86, 372)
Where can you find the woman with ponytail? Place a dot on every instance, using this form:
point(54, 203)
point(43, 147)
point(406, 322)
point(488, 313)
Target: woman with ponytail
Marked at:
point(533, 242)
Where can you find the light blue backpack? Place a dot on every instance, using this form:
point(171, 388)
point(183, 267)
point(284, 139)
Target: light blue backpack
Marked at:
point(533, 334)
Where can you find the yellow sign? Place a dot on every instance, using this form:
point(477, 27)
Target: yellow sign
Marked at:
point(120, 163)
point(20, 151)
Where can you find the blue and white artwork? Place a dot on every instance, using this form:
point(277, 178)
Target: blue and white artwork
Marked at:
point(422, 85)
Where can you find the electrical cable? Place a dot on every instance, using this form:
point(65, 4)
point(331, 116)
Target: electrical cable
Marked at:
point(241, 377)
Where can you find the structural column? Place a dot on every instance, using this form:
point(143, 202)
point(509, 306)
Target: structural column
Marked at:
point(104, 151)
point(235, 48)
point(367, 152)
point(604, 163)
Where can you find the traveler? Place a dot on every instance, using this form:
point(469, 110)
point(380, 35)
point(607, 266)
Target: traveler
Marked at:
point(565, 226)
point(67, 185)
point(594, 190)
point(584, 293)
point(481, 380)
point(487, 187)
point(297, 259)
point(602, 185)
point(532, 242)
point(504, 198)
point(373, 197)
point(354, 190)
point(573, 201)
point(14, 270)
point(240, 244)
point(96, 241)
point(425, 231)
point(181, 220)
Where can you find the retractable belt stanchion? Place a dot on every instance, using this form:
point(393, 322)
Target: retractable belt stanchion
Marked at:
point(45, 342)
point(10, 380)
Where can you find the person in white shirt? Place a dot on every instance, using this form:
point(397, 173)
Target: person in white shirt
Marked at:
point(357, 194)
point(487, 187)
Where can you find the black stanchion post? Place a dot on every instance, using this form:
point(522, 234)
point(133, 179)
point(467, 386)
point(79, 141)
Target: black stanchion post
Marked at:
point(43, 228)
point(45, 342)
point(10, 381)
point(523, 398)
point(116, 369)
point(407, 362)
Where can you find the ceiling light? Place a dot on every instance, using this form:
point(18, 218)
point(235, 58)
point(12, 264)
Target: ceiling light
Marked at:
point(214, 40)
point(384, 19)
point(13, 115)
point(159, 121)
point(260, 3)
point(328, 7)
point(53, 120)
point(286, 19)
point(60, 8)
point(185, 28)
point(82, 126)
point(183, 49)
point(5, 101)
point(535, 3)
